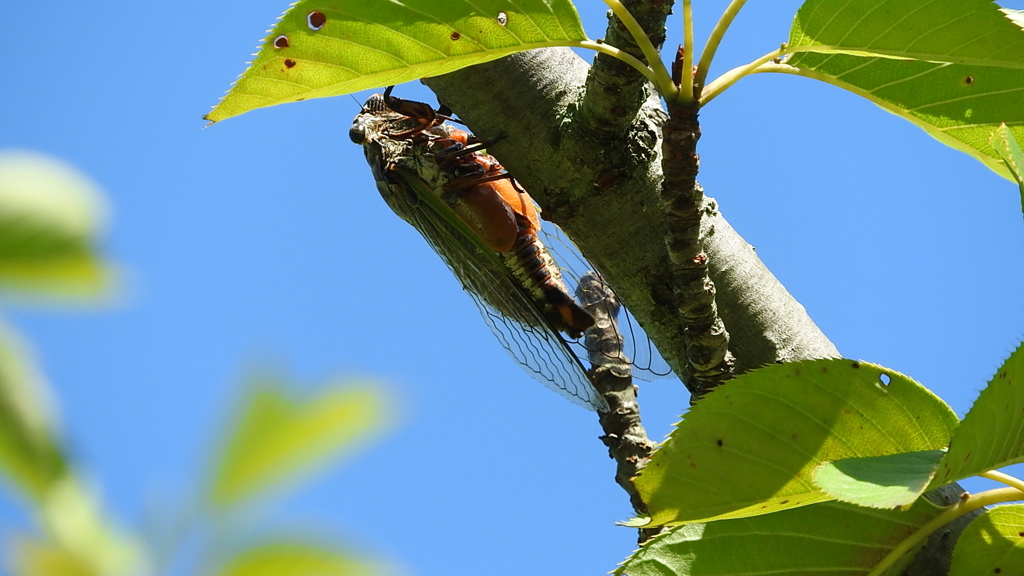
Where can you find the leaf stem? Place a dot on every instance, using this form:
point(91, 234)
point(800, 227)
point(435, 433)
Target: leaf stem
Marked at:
point(964, 506)
point(711, 47)
point(621, 55)
point(1003, 478)
point(661, 80)
point(732, 76)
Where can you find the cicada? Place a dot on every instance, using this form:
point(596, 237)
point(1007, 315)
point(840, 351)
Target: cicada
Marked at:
point(485, 227)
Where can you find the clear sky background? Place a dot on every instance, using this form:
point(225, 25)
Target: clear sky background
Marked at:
point(262, 240)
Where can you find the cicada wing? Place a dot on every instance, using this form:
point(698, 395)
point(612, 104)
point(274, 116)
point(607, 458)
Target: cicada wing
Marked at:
point(637, 349)
point(504, 304)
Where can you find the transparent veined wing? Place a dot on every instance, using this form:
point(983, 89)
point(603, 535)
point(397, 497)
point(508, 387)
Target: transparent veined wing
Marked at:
point(503, 302)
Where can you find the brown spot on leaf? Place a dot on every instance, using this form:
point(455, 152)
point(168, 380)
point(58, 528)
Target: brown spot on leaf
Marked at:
point(281, 41)
point(969, 80)
point(289, 63)
point(316, 20)
point(455, 36)
point(855, 365)
point(719, 442)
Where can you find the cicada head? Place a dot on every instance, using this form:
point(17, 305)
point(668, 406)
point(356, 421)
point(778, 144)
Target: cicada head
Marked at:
point(373, 120)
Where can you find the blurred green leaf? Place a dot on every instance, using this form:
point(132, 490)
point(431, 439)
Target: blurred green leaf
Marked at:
point(826, 538)
point(295, 559)
point(50, 219)
point(993, 543)
point(278, 437)
point(1008, 149)
point(879, 481)
point(990, 435)
point(331, 47)
point(30, 454)
point(955, 68)
point(752, 446)
point(76, 523)
point(40, 558)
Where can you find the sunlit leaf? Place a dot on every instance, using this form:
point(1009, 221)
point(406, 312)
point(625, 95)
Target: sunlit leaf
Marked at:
point(331, 47)
point(294, 559)
point(50, 219)
point(955, 68)
point(992, 434)
point(752, 446)
point(29, 452)
point(1008, 149)
point(76, 523)
point(826, 538)
point(879, 481)
point(993, 543)
point(278, 437)
point(39, 558)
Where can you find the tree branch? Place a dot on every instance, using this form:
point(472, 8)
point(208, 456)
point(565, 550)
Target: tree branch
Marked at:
point(603, 190)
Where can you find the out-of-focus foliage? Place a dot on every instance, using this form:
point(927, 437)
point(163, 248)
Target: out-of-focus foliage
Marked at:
point(50, 219)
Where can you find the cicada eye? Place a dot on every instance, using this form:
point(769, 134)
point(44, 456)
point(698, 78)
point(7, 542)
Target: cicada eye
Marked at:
point(357, 133)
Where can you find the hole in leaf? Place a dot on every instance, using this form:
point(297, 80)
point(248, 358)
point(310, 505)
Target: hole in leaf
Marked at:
point(884, 379)
point(502, 18)
point(455, 36)
point(316, 20)
point(281, 41)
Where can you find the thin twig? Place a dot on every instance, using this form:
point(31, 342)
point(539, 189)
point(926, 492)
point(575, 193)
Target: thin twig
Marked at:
point(615, 92)
point(709, 362)
point(612, 375)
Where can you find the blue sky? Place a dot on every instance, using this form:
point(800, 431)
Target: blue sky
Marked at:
point(262, 240)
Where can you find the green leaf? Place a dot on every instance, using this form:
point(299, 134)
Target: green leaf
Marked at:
point(990, 436)
point(40, 558)
point(295, 559)
point(330, 47)
point(30, 454)
point(955, 68)
point(879, 481)
point(752, 446)
point(827, 538)
point(993, 543)
point(50, 218)
point(1008, 149)
point(75, 522)
point(277, 437)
